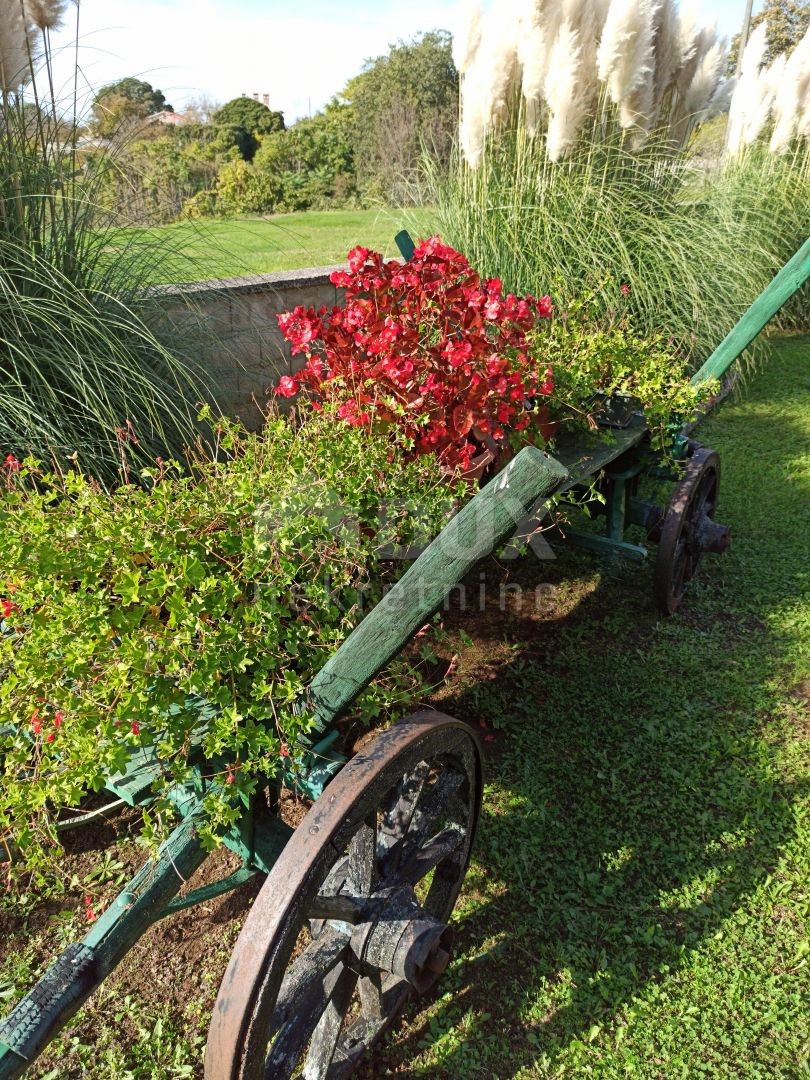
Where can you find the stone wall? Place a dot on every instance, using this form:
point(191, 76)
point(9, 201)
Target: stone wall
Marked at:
point(230, 327)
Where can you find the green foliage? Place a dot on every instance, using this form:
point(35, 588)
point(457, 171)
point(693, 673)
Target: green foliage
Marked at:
point(787, 20)
point(188, 614)
point(77, 359)
point(251, 119)
point(312, 162)
point(121, 103)
point(695, 246)
point(400, 102)
point(151, 178)
point(591, 363)
point(243, 189)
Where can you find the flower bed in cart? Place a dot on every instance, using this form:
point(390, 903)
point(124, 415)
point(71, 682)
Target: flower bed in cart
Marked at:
point(429, 351)
point(448, 363)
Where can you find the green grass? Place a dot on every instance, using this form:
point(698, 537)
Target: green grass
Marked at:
point(262, 245)
point(639, 900)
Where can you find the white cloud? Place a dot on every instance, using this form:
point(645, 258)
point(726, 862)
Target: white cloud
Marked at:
point(191, 47)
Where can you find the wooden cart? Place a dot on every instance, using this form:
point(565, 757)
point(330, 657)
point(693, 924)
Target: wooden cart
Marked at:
point(354, 913)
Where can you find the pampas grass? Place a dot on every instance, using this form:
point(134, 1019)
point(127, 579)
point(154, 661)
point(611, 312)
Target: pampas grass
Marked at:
point(625, 60)
point(14, 47)
point(611, 195)
point(79, 365)
point(654, 65)
point(567, 92)
point(791, 96)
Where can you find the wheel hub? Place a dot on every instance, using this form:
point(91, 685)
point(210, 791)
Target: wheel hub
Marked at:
point(711, 536)
point(397, 936)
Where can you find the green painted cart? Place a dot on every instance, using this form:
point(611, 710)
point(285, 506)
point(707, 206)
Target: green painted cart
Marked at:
point(354, 912)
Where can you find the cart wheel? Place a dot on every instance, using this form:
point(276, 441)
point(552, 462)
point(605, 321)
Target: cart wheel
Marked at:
point(354, 915)
point(689, 529)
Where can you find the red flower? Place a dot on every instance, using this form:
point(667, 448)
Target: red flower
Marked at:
point(229, 777)
point(50, 737)
point(11, 463)
point(287, 386)
point(357, 258)
point(457, 352)
point(625, 289)
point(135, 727)
point(36, 722)
point(6, 608)
point(426, 347)
point(284, 750)
point(57, 720)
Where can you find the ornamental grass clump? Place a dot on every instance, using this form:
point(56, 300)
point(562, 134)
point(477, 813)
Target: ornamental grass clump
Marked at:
point(187, 614)
point(570, 70)
point(79, 362)
point(427, 351)
point(771, 101)
point(587, 177)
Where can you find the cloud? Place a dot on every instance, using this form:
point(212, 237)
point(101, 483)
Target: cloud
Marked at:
point(300, 56)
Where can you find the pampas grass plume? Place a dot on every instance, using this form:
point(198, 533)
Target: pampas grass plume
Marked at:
point(45, 14)
point(467, 39)
point(746, 98)
point(566, 93)
point(625, 60)
point(791, 96)
point(14, 47)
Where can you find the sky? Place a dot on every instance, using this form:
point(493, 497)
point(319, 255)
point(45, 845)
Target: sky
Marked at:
point(301, 54)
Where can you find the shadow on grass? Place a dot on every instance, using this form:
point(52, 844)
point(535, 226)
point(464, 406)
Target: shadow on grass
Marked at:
point(635, 801)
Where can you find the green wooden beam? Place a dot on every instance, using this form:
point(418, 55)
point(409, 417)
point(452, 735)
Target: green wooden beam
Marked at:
point(67, 984)
point(789, 279)
point(484, 523)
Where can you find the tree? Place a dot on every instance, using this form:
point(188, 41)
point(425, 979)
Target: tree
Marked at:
point(399, 102)
point(122, 104)
point(252, 119)
point(313, 160)
point(200, 109)
point(787, 20)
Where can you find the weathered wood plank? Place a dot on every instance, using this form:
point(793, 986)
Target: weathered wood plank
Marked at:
point(481, 525)
point(586, 458)
point(789, 279)
point(68, 983)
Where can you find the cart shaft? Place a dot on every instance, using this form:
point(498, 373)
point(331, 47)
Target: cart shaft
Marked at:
point(788, 281)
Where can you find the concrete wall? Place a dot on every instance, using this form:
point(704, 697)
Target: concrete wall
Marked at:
point(230, 327)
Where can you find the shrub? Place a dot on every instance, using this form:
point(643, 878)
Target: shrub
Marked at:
point(188, 614)
point(242, 189)
point(427, 350)
point(591, 363)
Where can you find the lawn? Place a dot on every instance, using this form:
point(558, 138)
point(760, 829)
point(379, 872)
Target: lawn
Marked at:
point(639, 897)
point(260, 245)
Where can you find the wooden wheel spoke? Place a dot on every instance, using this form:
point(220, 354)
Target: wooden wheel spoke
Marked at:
point(371, 996)
point(424, 859)
point(338, 908)
point(304, 987)
point(396, 817)
point(322, 1050)
point(430, 811)
point(362, 869)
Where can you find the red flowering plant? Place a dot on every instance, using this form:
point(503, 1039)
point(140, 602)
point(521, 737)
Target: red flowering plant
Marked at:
point(427, 349)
